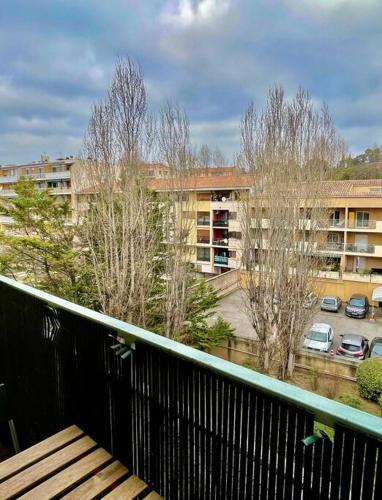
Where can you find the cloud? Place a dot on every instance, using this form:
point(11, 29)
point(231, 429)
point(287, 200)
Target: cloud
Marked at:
point(212, 56)
point(186, 13)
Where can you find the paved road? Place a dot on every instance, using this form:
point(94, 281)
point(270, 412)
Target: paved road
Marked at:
point(232, 309)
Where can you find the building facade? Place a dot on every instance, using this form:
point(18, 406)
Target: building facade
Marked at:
point(353, 226)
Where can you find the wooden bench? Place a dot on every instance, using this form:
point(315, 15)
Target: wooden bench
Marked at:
point(69, 465)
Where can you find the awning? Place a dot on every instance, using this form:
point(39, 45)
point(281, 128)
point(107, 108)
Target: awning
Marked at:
point(377, 294)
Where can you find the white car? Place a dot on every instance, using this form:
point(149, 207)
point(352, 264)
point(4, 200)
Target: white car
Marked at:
point(319, 338)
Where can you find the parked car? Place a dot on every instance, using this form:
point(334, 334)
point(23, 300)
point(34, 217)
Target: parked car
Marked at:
point(353, 346)
point(331, 303)
point(375, 347)
point(357, 307)
point(319, 338)
point(310, 300)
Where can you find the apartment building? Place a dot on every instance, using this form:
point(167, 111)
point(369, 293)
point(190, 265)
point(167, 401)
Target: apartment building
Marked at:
point(52, 174)
point(353, 227)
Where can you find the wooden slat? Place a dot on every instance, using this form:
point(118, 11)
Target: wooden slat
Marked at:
point(38, 451)
point(98, 483)
point(27, 478)
point(127, 490)
point(153, 496)
point(70, 476)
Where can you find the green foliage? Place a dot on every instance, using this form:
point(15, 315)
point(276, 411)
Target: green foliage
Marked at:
point(346, 399)
point(318, 426)
point(204, 338)
point(201, 301)
point(40, 249)
point(369, 378)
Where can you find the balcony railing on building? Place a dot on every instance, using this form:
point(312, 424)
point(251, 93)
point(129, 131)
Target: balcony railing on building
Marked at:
point(220, 223)
point(221, 259)
point(189, 424)
point(221, 243)
point(333, 246)
point(359, 248)
point(362, 224)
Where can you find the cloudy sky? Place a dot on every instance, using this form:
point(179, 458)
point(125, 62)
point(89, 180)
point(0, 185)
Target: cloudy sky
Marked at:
point(212, 56)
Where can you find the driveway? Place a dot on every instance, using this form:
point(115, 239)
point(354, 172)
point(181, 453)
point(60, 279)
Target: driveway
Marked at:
point(232, 309)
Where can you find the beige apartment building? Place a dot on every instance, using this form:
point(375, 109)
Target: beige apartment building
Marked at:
point(353, 227)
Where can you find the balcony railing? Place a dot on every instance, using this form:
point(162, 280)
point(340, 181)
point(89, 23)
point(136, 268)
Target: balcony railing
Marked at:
point(221, 243)
point(362, 224)
point(334, 223)
point(359, 248)
point(220, 223)
point(189, 424)
point(220, 259)
point(334, 247)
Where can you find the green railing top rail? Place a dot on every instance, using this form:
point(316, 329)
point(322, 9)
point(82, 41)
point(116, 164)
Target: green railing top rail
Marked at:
point(324, 410)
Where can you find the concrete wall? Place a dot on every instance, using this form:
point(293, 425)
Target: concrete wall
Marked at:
point(244, 351)
point(225, 283)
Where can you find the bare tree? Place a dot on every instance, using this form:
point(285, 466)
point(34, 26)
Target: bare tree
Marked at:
point(177, 211)
point(287, 148)
point(206, 158)
point(121, 227)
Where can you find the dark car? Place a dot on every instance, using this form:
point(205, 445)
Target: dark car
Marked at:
point(331, 303)
point(375, 347)
point(353, 346)
point(357, 307)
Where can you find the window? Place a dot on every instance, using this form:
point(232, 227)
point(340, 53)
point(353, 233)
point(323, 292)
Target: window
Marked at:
point(362, 219)
point(203, 219)
point(203, 254)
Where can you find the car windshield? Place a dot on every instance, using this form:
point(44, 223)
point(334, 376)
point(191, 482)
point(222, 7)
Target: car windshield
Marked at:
point(318, 336)
point(357, 302)
point(329, 301)
point(377, 350)
point(351, 347)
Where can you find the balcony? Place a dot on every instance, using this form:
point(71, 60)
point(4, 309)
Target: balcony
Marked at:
point(189, 424)
point(220, 223)
point(359, 248)
point(221, 260)
point(221, 243)
point(362, 224)
point(333, 247)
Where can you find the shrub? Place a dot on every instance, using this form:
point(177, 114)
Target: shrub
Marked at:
point(369, 378)
point(350, 401)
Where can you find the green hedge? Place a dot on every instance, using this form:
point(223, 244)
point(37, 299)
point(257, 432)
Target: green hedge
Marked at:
point(369, 378)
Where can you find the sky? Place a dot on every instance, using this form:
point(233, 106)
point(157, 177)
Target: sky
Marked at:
point(213, 57)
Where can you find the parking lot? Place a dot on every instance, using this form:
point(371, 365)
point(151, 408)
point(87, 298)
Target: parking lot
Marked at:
point(232, 309)
point(341, 325)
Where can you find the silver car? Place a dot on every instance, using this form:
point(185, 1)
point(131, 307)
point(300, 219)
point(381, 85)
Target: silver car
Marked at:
point(331, 303)
point(319, 338)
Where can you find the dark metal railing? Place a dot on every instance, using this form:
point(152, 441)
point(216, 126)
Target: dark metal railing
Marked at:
point(220, 223)
point(190, 424)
